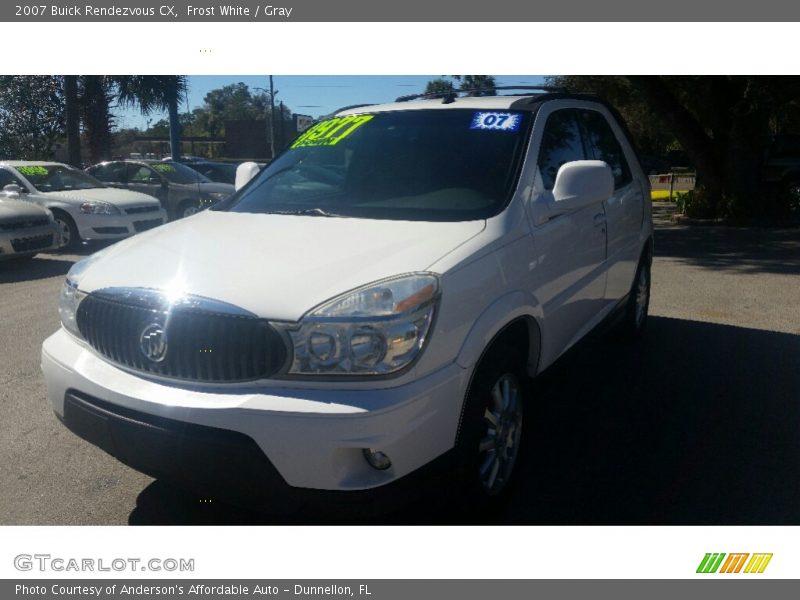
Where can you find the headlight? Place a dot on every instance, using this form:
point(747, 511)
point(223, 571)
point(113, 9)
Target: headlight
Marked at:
point(375, 330)
point(68, 303)
point(71, 296)
point(99, 208)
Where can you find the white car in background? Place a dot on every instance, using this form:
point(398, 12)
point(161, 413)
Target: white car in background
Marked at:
point(83, 207)
point(25, 229)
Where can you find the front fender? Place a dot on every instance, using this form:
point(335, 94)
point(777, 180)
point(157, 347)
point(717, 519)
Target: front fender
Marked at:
point(506, 309)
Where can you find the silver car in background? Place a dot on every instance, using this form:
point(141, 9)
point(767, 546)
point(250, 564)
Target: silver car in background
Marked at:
point(181, 190)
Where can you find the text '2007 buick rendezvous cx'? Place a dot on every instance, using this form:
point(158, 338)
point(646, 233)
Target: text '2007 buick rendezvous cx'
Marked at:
point(388, 286)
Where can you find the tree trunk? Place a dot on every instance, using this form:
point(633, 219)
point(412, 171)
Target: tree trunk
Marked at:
point(700, 148)
point(72, 120)
point(174, 130)
point(96, 118)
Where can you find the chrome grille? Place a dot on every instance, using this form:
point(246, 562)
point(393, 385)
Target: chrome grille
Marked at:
point(29, 244)
point(142, 209)
point(24, 223)
point(199, 344)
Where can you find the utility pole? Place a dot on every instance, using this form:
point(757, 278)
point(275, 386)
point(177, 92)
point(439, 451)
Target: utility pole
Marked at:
point(272, 119)
point(283, 131)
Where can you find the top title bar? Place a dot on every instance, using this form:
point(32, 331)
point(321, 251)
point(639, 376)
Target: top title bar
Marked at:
point(400, 11)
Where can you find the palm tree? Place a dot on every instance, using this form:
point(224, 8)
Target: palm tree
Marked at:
point(73, 120)
point(477, 85)
point(155, 93)
point(95, 99)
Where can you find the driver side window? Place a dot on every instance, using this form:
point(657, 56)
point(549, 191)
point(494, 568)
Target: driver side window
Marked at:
point(8, 178)
point(561, 143)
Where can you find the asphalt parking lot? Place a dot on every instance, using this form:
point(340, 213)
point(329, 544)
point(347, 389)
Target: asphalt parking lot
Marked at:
point(700, 424)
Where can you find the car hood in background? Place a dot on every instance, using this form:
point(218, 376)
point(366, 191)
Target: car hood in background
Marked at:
point(275, 266)
point(115, 196)
point(17, 209)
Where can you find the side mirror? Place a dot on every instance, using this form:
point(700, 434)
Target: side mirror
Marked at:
point(580, 183)
point(244, 173)
point(12, 191)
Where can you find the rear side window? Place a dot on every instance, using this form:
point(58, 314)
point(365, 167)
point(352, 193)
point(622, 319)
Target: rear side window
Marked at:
point(602, 144)
point(110, 173)
point(561, 143)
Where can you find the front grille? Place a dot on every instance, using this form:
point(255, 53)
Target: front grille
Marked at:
point(141, 209)
point(110, 230)
point(29, 244)
point(140, 226)
point(24, 224)
point(200, 345)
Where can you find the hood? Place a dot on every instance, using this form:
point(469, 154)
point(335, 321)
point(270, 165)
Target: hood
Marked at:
point(117, 197)
point(275, 266)
point(17, 209)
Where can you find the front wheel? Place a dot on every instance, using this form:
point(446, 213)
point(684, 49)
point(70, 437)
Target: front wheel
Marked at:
point(187, 209)
point(70, 238)
point(638, 306)
point(492, 426)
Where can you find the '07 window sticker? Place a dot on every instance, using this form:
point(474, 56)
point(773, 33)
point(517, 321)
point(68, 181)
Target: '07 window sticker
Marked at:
point(496, 121)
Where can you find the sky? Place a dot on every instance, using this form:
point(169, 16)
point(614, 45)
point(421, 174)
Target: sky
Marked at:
point(313, 95)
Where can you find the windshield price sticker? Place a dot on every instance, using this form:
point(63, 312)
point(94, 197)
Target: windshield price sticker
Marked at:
point(164, 168)
point(331, 132)
point(32, 170)
point(496, 121)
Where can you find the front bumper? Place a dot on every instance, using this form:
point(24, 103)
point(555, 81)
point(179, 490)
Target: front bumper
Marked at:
point(106, 227)
point(25, 242)
point(280, 436)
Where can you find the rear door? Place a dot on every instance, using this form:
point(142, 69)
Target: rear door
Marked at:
point(569, 275)
point(142, 178)
point(624, 209)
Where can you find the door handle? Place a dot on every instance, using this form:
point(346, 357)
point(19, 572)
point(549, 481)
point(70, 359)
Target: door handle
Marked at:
point(599, 219)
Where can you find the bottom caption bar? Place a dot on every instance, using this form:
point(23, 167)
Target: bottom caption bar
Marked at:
point(396, 589)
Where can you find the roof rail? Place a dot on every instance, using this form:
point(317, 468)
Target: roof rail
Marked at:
point(350, 107)
point(449, 95)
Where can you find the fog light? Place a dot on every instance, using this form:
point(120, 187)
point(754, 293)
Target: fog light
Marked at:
point(376, 459)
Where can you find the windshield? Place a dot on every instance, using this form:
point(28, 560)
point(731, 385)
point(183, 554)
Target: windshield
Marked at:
point(58, 178)
point(432, 165)
point(179, 173)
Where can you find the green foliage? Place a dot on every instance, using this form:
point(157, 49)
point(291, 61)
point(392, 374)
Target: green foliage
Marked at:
point(478, 85)
point(31, 116)
point(697, 204)
point(440, 86)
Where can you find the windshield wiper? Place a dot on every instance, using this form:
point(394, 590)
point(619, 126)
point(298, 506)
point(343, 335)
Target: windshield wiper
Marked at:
point(305, 212)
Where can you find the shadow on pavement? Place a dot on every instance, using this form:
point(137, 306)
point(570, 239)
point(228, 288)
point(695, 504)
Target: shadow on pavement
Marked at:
point(743, 250)
point(15, 271)
point(699, 424)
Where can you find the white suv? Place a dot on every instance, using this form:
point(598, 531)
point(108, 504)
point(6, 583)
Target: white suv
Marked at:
point(373, 301)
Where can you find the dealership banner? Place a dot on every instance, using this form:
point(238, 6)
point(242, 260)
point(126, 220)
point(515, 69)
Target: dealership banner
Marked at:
point(393, 589)
point(402, 11)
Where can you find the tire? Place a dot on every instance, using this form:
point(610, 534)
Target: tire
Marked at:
point(187, 208)
point(634, 320)
point(70, 238)
point(491, 427)
point(792, 193)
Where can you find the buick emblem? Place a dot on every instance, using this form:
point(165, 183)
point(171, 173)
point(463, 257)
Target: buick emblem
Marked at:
point(153, 342)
